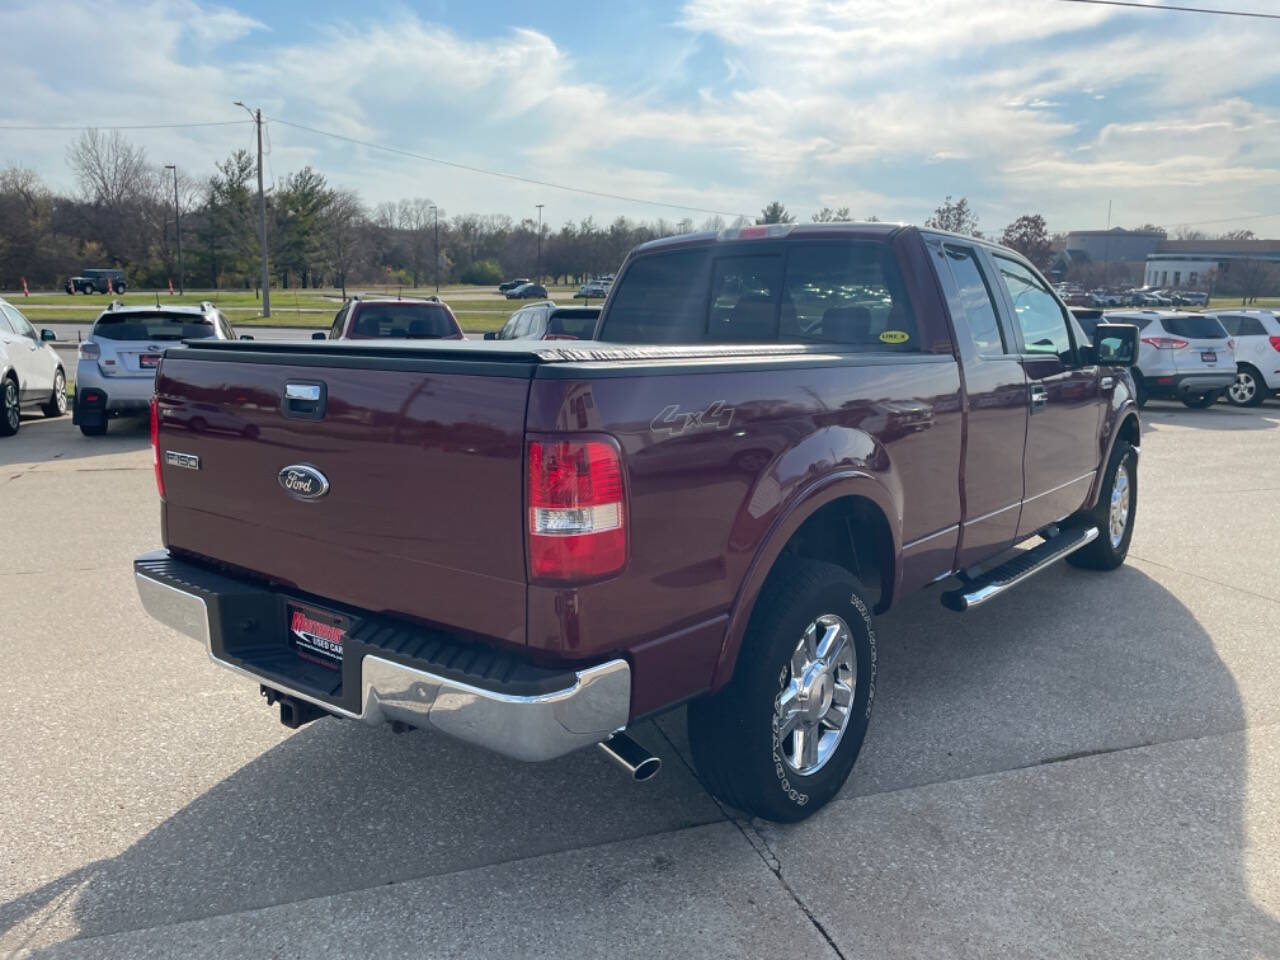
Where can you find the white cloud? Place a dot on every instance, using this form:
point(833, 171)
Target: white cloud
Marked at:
point(883, 106)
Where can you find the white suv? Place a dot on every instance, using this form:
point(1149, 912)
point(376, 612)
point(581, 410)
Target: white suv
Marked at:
point(116, 373)
point(1257, 336)
point(1181, 356)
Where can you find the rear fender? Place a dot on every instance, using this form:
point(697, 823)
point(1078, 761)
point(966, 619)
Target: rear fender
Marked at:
point(843, 481)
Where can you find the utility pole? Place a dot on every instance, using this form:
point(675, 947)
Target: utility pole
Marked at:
point(435, 213)
point(177, 212)
point(262, 215)
point(539, 277)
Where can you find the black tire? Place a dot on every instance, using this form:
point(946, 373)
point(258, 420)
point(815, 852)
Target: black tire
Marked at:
point(94, 429)
point(57, 403)
point(734, 734)
point(1249, 390)
point(1202, 402)
point(1106, 553)
point(1140, 395)
point(10, 407)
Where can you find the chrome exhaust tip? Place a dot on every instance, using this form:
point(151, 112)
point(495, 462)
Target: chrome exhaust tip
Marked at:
point(639, 763)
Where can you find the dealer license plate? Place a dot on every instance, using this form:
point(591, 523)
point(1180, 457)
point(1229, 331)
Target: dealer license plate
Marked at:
point(318, 635)
point(149, 361)
point(1209, 356)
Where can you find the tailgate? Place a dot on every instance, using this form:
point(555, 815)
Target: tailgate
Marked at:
point(422, 513)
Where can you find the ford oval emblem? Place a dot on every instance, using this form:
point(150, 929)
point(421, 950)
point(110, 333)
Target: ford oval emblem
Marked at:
point(304, 482)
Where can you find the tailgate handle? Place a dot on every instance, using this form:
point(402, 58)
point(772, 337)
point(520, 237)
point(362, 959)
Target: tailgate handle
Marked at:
point(304, 400)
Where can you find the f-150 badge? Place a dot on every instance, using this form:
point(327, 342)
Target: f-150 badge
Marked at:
point(673, 422)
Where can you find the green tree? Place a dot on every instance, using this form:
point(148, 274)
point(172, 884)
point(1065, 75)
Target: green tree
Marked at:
point(229, 239)
point(1029, 235)
point(956, 217)
point(299, 206)
point(775, 212)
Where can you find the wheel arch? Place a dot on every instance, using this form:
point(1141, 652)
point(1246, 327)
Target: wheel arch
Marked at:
point(847, 519)
point(1128, 428)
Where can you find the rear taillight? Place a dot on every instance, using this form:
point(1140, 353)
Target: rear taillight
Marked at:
point(90, 350)
point(155, 445)
point(577, 513)
point(1165, 343)
point(1275, 344)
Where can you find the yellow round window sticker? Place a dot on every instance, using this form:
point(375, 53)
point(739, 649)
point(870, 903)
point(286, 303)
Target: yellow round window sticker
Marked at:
point(894, 336)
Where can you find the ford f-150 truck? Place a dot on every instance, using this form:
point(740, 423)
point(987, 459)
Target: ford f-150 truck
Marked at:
point(774, 434)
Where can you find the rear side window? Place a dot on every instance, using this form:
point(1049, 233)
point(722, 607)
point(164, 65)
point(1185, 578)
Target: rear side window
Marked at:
point(1243, 326)
point(153, 326)
point(1195, 326)
point(831, 292)
point(977, 299)
point(402, 321)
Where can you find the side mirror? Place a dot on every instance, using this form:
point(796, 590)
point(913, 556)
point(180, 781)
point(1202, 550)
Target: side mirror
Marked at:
point(491, 335)
point(319, 336)
point(47, 335)
point(1116, 344)
point(245, 336)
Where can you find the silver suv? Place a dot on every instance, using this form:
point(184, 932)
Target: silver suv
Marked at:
point(1181, 356)
point(116, 372)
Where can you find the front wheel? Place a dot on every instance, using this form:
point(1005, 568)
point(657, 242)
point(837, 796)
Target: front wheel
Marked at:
point(1202, 402)
point(10, 408)
point(1114, 515)
point(781, 738)
point(57, 403)
point(1249, 390)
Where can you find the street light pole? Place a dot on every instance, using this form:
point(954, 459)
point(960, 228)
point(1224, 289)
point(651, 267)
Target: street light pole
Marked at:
point(177, 213)
point(435, 213)
point(539, 280)
point(262, 215)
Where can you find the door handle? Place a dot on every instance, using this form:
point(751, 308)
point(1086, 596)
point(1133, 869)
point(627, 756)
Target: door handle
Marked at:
point(1106, 383)
point(1039, 397)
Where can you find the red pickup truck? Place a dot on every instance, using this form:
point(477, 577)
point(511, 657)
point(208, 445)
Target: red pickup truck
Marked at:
point(775, 433)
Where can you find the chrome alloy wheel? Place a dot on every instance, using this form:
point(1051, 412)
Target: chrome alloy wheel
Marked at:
point(811, 712)
point(1119, 516)
point(12, 409)
point(60, 393)
point(1243, 390)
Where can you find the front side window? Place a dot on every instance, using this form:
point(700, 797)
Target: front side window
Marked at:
point(5, 325)
point(19, 323)
point(977, 300)
point(1040, 318)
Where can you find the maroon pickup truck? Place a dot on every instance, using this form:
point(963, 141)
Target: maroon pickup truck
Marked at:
point(775, 433)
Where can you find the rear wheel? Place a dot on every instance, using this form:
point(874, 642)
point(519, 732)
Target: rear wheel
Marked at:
point(781, 738)
point(94, 429)
point(1114, 515)
point(57, 403)
point(10, 408)
point(1202, 402)
point(1249, 390)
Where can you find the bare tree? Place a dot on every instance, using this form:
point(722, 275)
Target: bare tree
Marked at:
point(342, 221)
point(418, 221)
point(1251, 279)
point(827, 215)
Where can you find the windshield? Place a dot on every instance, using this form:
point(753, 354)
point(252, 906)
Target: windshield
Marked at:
point(1196, 327)
point(154, 326)
point(408, 321)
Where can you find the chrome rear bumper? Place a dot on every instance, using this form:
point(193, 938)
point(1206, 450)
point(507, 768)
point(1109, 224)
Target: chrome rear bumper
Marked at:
point(531, 728)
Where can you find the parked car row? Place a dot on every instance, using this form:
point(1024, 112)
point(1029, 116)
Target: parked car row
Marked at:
point(1199, 358)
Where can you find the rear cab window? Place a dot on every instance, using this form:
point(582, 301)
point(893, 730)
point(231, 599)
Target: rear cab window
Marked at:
point(153, 326)
point(846, 292)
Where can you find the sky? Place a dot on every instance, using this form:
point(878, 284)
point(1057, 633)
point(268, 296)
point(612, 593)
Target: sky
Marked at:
point(708, 106)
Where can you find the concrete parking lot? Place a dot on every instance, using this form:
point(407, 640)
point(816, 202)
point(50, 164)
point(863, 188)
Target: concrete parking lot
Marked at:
point(1087, 767)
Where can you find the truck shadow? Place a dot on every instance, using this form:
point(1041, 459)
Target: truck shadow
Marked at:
point(1074, 663)
point(41, 440)
point(1221, 416)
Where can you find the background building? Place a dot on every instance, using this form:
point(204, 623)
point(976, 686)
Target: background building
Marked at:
point(1232, 266)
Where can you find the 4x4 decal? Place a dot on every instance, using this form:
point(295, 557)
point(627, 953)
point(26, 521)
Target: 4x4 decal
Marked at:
point(671, 421)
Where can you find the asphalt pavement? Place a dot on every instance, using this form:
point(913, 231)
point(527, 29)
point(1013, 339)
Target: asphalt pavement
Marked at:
point(1088, 766)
